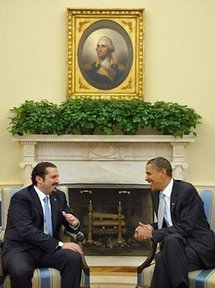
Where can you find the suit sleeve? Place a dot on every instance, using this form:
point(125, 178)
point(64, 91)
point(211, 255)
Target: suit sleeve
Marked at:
point(25, 225)
point(187, 215)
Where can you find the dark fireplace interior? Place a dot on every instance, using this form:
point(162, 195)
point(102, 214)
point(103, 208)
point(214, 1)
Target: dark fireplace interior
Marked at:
point(109, 214)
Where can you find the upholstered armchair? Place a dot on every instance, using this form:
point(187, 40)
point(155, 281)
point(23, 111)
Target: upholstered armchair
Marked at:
point(44, 277)
point(198, 278)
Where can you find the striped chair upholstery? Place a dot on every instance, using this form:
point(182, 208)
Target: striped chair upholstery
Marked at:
point(197, 279)
point(43, 277)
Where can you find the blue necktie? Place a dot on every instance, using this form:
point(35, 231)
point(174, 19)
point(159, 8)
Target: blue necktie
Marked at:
point(47, 217)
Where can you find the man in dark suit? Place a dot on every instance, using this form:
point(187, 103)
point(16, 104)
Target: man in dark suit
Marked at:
point(186, 241)
point(28, 244)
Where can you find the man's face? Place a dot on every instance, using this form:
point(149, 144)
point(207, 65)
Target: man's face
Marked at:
point(155, 178)
point(49, 184)
point(102, 49)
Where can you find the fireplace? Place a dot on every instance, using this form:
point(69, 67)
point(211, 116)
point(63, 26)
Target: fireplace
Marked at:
point(110, 168)
point(109, 215)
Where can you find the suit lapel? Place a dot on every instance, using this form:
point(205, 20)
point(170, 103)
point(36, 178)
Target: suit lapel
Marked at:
point(37, 202)
point(54, 207)
point(155, 200)
point(173, 200)
point(157, 194)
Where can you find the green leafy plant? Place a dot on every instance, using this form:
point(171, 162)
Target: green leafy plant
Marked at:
point(84, 115)
point(173, 119)
point(106, 116)
point(105, 120)
point(34, 117)
point(131, 115)
point(78, 116)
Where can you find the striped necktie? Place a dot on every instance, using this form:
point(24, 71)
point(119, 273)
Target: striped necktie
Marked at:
point(161, 209)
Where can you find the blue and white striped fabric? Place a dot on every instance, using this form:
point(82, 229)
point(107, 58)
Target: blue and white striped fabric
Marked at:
point(208, 197)
point(47, 278)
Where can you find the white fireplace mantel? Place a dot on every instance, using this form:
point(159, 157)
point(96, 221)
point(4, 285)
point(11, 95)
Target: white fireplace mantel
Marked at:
point(105, 159)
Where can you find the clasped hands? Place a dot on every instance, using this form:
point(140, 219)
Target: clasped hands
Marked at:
point(143, 232)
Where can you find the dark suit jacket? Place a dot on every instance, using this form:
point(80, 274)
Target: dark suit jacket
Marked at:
point(25, 223)
point(189, 221)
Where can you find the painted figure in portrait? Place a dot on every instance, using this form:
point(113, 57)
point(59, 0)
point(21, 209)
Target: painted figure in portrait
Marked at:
point(105, 58)
point(105, 69)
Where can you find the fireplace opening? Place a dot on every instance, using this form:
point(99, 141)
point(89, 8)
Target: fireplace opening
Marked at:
point(109, 214)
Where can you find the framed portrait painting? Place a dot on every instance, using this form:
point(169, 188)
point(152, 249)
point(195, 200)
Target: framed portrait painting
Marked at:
point(105, 53)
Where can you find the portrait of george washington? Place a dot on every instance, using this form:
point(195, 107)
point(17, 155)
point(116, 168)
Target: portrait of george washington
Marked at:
point(105, 54)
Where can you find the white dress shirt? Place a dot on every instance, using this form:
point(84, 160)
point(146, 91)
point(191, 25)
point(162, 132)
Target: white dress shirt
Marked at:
point(41, 196)
point(167, 196)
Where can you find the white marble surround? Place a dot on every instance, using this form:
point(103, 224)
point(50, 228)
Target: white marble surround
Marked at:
point(113, 159)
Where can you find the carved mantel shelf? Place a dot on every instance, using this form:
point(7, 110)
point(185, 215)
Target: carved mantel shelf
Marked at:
point(102, 138)
point(102, 158)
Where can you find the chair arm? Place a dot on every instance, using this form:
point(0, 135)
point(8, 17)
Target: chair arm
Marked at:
point(2, 276)
point(79, 238)
point(149, 259)
point(2, 235)
point(75, 237)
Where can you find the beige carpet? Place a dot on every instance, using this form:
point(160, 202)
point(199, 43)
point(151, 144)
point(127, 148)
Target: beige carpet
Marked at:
point(113, 276)
point(113, 271)
point(112, 286)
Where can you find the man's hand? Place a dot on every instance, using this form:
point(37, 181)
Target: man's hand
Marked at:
point(71, 219)
point(72, 246)
point(143, 232)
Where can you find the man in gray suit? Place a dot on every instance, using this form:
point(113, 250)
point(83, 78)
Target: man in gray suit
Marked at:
point(28, 242)
point(186, 241)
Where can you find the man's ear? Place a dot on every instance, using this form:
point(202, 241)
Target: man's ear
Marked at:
point(163, 171)
point(39, 179)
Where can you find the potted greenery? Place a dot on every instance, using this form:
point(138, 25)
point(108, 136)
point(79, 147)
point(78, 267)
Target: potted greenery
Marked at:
point(34, 118)
point(78, 117)
point(129, 116)
point(173, 119)
point(102, 116)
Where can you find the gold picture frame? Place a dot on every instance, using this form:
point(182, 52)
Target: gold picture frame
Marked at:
point(123, 33)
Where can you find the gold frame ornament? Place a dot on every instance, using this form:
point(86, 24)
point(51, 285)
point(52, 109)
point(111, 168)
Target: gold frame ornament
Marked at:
point(121, 33)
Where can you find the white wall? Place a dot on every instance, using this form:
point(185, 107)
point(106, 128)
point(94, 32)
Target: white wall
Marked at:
point(179, 66)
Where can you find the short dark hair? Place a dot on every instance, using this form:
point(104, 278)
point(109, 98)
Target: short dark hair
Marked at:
point(161, 163)
point(40, 170)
